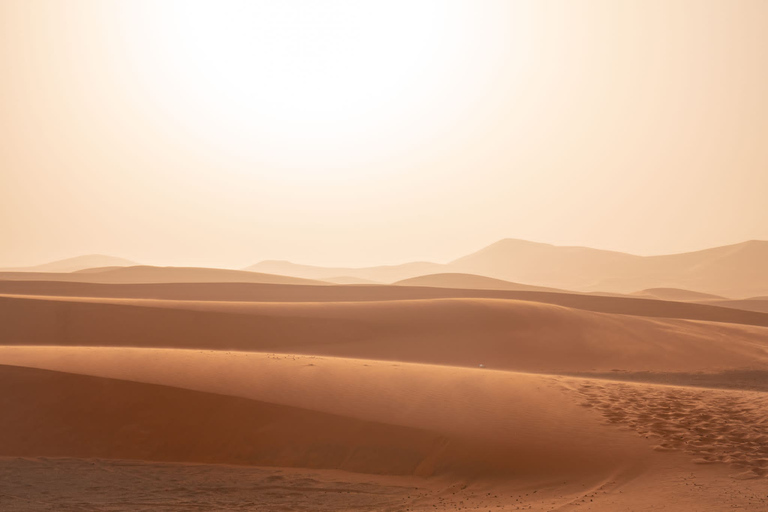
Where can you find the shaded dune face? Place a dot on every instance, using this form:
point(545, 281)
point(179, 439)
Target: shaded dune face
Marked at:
point(247, 408)
point(64, 415)
point(500, 334)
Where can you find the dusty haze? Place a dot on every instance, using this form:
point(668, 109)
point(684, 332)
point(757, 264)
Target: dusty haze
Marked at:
point(181, 133)
point(413, 255)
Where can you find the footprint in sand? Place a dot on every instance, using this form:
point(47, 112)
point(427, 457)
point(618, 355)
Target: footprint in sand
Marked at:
point(714, 426)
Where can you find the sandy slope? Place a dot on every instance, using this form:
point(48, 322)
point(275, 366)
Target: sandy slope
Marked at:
point(266, 292)
point(387, 388)
point(78, 416)
point(501, 334)
point(676, 294)
point(348, 280)
point(472, 282)
point(488, 440)
point(759, 304)
point(367, 416)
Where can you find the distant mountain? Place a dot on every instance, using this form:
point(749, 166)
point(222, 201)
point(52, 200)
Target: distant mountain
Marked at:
point(575, 268)
point(381, 274)
point(75, 264)
point(734, 271)
point(147, 274)
point(738, 270)
point(471, 282)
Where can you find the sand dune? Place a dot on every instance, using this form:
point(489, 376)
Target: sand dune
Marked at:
point(88, 417)
point(470, 281)
point(265, 292)
point(501, 334)
point(147, 274)
point(489, 439)
point(759, 305)
point(384, 381)
point(349, 280)
point(367, 416)
point(676, 294)
point(386, 388)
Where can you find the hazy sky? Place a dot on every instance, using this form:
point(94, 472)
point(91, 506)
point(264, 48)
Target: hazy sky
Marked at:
point(354, 133)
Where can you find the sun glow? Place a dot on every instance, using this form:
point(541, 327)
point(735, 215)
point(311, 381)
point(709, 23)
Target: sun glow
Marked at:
point(306, 85)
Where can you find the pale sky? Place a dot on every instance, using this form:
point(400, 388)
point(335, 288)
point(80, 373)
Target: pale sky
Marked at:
point(222, 133)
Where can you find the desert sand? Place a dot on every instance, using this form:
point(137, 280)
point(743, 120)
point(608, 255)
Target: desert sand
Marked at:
point(349, 256)
point(291, 397)
point(472, 282)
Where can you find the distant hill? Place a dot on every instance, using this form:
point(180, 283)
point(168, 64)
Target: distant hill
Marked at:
point(738, 270)
point(76, 264)
point(733, 271)
point(471, 282)
point(675, 294)
point(147, 274)
point(545, 265)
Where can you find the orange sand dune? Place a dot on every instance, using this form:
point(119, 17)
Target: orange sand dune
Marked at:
point(676, 294)
point(260, 292)
point(501, 334)
point(91, 417)
point(374, 417)
point(759, 305)
point(147, 274)
point(472, 282)
point(348, 280)
point(490, 440)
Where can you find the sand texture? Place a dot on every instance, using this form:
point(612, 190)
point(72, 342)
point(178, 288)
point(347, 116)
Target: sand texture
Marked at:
point(178, 396)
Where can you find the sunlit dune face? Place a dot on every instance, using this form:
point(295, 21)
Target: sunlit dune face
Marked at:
point(302, 84)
